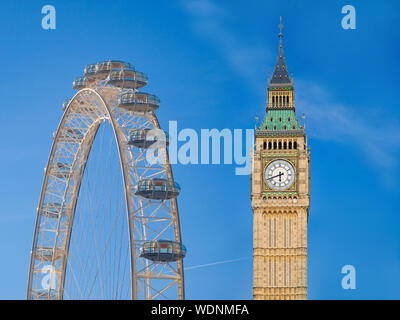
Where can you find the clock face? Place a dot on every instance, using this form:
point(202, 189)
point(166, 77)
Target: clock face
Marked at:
point(279, 174)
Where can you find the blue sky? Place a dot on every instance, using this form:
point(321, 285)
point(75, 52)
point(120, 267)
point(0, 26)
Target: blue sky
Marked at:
point(208, 62)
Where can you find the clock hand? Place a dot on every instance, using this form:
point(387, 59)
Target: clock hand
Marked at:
point(278, 175)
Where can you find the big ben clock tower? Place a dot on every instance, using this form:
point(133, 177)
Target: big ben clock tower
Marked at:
point(280, 194)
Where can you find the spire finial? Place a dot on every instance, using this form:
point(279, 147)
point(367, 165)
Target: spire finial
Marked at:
point(280, 75)
point(280, 26)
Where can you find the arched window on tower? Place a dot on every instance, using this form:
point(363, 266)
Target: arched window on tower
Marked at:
point(287, 99)
point(269, 145)
point(273, 101)
point(295, 145)
point(285, 145)
point(274, 144)
point(265, 145)
point(280, 101)
point(280, 145)
point(290, 144)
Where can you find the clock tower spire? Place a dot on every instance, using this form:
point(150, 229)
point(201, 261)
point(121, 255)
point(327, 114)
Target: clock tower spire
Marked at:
point(280, 193)
point(280, 75)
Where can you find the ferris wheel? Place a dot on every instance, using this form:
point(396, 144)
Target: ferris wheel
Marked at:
point(107, 223)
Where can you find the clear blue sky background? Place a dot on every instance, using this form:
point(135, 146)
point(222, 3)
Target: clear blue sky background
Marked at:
point(208, 62)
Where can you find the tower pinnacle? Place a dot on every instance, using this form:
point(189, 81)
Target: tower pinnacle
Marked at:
point(280, 75)
point(280, 26)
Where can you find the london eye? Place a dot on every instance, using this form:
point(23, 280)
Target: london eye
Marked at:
point(107, 223)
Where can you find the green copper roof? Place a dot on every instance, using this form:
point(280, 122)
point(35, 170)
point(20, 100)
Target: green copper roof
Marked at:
point(282, 120)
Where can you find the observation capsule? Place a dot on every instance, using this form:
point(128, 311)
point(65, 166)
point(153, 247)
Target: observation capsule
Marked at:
point(163, 251)
point(65, 104)
point(44, 295)
point(127, 79)
point(71, 135)
point(139, 101)
point(48, 254)
point(102, 69)
point(82, 82)
point(90, 70)
point(61, 170)
point(53, 210)
point(158, 189)
point(146, 138)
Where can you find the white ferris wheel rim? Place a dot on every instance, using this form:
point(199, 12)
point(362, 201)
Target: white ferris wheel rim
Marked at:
point(103, 108)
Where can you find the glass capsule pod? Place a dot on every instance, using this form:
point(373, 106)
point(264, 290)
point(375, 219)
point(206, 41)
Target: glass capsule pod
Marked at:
point(49, 254)
point(102, 69)
point(61, 170)
point(158, 189)
point(53, 210)
point(163, 251)
point(127, 79)
point(82, 82)
point(65, 104)
point(146, 138)
point(44, 295)
point(139, 101)
point(90, 69)
point(71, 134)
